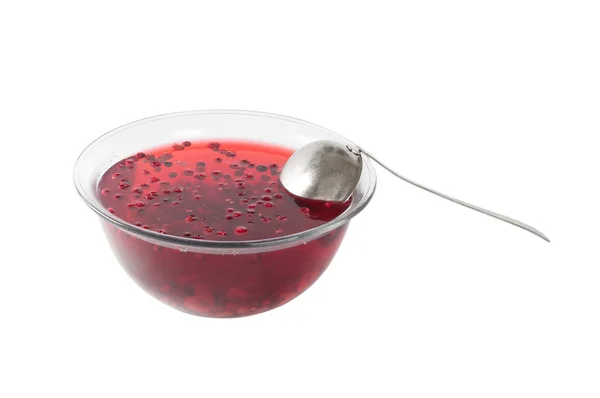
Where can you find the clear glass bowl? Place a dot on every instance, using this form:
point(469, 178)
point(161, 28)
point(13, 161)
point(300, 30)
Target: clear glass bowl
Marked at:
point(216, 278)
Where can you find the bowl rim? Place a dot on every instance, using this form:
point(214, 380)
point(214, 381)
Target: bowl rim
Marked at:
point(285, 240)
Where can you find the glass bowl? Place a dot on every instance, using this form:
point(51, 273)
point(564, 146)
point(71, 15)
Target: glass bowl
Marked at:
point(217, 278)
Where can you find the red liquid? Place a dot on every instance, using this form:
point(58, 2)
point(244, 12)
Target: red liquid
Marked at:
point(227, 191)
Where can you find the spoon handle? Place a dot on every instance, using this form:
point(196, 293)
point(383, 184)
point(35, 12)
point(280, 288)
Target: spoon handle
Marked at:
point(460, 202)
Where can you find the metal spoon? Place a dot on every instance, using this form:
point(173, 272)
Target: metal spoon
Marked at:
point(330, 170)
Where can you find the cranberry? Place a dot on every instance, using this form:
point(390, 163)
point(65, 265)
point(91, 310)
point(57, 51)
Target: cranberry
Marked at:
point(241, 230)
point(186, 143)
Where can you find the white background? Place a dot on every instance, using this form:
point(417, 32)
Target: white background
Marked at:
point(495, 102)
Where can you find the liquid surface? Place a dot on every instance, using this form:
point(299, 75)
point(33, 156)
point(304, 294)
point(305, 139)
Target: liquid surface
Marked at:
point(224, 191)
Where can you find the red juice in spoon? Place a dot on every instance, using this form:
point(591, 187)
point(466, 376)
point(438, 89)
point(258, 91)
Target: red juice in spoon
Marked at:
point(216, 191)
